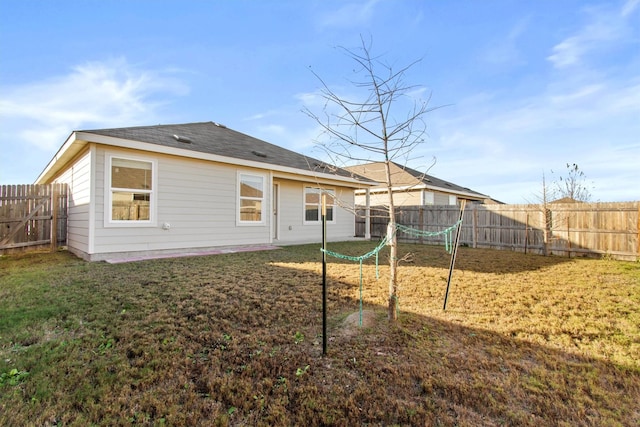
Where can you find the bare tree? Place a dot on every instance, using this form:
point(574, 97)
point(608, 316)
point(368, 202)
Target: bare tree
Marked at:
point(377, 125)
point(542, 199)
point(574, 185)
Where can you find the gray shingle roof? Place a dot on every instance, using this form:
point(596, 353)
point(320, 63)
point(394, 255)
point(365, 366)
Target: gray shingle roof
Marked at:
point(213, 138)
point(404, 176)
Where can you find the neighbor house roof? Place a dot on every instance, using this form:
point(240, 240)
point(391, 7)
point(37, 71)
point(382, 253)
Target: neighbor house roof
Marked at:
point(207, 140)
point(404, 178)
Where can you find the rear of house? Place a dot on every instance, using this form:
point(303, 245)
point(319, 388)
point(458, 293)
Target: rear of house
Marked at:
point(192, 187)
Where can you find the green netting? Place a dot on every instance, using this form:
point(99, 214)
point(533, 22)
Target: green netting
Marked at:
point(447, 233)
point(359, 259)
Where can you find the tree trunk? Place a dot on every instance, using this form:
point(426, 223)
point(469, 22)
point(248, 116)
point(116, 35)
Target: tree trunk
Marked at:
point(393, 273)
point(393, 251)
point(547, 231)
point(368, 127)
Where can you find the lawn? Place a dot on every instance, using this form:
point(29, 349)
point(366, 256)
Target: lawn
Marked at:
point(236, 339)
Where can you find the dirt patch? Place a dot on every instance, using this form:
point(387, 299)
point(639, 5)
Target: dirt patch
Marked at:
point(351, 325)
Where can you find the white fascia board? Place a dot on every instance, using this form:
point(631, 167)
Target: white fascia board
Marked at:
point(456, 192)
point(145, 146)
point(317, 178)
point(72, 146)
point(424, 187)
point(396, 188)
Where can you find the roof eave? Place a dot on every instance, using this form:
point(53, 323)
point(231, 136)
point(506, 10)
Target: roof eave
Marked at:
point(78, 139)
point(72, 146)
point(432, 187)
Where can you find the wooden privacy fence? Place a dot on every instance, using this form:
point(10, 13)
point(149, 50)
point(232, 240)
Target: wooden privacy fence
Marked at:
point(33, 216)
point(610, 229)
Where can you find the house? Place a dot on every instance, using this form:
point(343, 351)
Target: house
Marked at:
point(179, 188)
point(411, 187)
point(565, 201)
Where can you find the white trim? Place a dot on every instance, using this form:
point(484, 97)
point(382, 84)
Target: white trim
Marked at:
point(69, 149)
point(429, 197)
point(360, 192)
point(367, 218)
point(78, 139)
point(275, 207)
point(109, 222)
point(155, 148)
point(263, 199)
point(91, 238)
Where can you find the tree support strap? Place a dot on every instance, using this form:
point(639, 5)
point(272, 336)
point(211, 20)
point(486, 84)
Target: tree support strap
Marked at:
point(447, 233)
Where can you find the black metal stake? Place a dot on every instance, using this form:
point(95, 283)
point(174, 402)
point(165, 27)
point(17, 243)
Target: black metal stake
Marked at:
point(454, 252)
point(324, 275)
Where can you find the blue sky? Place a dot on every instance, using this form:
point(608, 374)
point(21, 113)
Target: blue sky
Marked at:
point(529, 86)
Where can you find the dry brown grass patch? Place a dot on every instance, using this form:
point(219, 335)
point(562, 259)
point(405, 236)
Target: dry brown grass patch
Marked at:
point(236, 340)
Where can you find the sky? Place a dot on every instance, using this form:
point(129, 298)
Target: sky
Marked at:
point(519, 88)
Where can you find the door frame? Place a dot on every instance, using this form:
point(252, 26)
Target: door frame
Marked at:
point(275, 211)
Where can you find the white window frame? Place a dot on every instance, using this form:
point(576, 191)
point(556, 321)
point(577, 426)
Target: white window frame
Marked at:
point(108, 193)
point(263, 199)
point(320, 190)
point(428, 197)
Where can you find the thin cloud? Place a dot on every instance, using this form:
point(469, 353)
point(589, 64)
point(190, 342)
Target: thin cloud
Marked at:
point(574, 122)
point(349, 15)
point(629, 7)
point(111, 93)
point(310, 99)
point(504, 51)
point(274, 129)
point(603, 28)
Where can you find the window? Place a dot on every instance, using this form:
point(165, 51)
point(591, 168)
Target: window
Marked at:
point(313, 204)
point(131, 190)
point(251, 199)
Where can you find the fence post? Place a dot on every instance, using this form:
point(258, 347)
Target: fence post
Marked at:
point(421, 222)
point(526, 233)
point(474, 226)
point(638, 233)
point(55, 194)
point(569, 234)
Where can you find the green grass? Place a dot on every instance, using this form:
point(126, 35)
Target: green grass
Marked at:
point(236, 340)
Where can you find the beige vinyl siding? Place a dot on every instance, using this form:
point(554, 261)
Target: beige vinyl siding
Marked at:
point(292, 228)
point(407, 198)
point(416, 197)
point(403, 198)
point(197, 199)
point(441, 199)
point(344, 227)
point(78, 177)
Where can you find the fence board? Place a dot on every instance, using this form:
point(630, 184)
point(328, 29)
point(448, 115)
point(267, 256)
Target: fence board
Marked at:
point(573, 229)
point(26, 215)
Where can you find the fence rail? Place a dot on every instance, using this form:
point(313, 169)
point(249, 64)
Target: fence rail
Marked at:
point(611, 229)
point(33, 216)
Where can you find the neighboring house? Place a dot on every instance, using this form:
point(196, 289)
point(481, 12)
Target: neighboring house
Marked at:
point(179, 188)
point(411, 187)
point(566, 200)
